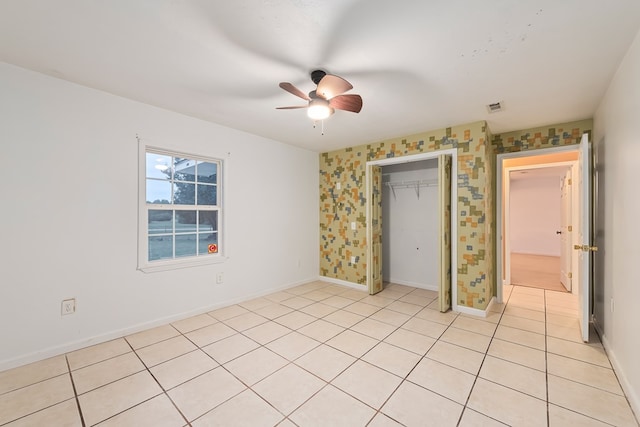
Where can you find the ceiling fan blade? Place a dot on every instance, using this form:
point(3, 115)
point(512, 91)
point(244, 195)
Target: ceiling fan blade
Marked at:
point(294, 90)
point(292, 108)
point(347, 102)
point(331, 86)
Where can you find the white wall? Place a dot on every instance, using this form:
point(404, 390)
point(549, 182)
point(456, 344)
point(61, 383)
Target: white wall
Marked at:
point(69, 216)
point(617, 141)
point(410, 229)
point(535, 216)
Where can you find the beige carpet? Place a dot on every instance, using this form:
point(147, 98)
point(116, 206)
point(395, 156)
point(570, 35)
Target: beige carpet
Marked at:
point(536, 271)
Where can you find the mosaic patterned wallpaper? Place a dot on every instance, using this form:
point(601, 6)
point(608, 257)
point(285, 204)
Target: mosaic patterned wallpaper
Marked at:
point(339, 207)
point(542, 137)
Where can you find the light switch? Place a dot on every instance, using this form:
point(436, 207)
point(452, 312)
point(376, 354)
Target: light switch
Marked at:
point(353, 225)
point(337, 186)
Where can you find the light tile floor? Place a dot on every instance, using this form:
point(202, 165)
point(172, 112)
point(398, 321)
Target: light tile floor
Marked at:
point(325, 355)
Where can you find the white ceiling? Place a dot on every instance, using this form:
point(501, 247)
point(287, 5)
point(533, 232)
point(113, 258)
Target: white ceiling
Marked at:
point(418, 65)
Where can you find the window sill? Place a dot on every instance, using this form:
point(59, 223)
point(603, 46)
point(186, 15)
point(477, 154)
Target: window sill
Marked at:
point(178, 264)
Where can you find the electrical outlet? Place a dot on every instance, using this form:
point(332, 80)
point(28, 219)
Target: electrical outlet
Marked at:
point(353, 225)
point(219, 278)
point(353, 260)
point(68, 306)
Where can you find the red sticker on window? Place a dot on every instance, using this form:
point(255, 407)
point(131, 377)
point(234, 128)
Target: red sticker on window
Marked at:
point(213, 248)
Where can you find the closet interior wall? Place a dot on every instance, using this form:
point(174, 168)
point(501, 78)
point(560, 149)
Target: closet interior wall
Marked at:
point(410, 224)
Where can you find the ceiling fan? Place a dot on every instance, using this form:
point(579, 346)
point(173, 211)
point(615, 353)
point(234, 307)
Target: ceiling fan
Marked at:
point(328, 96)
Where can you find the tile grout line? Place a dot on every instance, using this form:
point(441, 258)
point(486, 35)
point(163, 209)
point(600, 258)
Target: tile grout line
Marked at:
point(398, 327)
point(220, 365)
point(403, 379)
point(466, 403)
point(75, 392)
point(568, 379)
point(450, 325)
point(546, 356)
point(249, 387)
point(376, 410)
point(321, 343)
point(548, 375)
point(148, 370)
point(330, 382)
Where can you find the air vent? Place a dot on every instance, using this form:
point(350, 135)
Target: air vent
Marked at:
point(495, 107)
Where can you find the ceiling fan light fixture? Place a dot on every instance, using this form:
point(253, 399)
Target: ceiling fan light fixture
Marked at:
point(328, 97)
point(319, 109)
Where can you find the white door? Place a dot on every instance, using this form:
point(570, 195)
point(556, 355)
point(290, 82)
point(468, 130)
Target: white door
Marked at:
point(565, 233)
point(506, 229)
point(584, 237)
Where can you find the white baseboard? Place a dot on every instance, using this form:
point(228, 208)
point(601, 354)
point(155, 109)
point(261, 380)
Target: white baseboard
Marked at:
point(82, 343)
point(632, 395)
point(474, 311)
point(413, 284)
point(343, 283)
point(492, 302)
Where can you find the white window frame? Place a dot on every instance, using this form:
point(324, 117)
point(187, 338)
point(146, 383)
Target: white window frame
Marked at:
point(143, 213)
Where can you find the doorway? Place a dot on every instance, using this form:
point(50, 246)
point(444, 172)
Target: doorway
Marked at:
point(535, 236)
point(539, 222)
point(579, 237)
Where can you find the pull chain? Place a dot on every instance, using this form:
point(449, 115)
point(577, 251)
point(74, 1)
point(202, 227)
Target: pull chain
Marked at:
point(321, 126)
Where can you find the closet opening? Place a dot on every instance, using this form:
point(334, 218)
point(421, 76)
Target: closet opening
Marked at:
point(410, 224)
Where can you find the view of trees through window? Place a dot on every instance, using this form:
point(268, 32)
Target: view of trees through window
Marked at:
point(182, 206)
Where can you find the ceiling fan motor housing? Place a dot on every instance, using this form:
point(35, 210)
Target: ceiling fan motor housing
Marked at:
point(317, 75)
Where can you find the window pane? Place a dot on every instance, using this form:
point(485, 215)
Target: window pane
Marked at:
point(208, 243)
point(186, 222)
point(185, 226)
point(186, 245)
point(160, 221)
point(160, 247)
point(158, 191)
point(208, 221)
point(207, 195)
point(184, 169)
point(184, 194)
point(158, 166)
point(208, 172)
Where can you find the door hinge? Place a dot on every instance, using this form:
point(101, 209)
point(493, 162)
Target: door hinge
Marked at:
point(570, 180)
point(570, 228)
point(570, 275)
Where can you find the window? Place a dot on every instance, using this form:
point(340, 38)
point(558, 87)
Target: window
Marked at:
point(181, 210)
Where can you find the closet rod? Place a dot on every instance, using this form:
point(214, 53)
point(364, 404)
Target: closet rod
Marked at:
point(411, 184)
